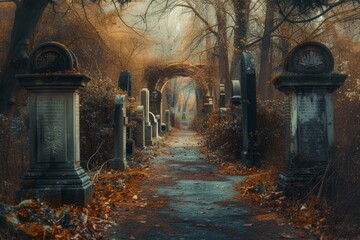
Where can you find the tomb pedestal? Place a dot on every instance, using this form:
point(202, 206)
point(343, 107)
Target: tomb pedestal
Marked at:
point(55, 173)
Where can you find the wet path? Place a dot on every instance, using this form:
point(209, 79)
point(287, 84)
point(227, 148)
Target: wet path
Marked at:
point(185, 198)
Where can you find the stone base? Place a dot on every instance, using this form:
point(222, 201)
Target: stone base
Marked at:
point(291, 182)
point(119, 164)
point(250, 159)
point(130, 147)
point(61, 186)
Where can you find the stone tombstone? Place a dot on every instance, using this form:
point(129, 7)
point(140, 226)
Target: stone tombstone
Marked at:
point(250, 154)
point(308, 83)
point(154, 125)
point(120, 122)
point(167, 120)
point(140, 127)
point(125, 82)
point(222, 96)
point(55, 173)
point(158, 119)
point(156, 104)
point(145, 101)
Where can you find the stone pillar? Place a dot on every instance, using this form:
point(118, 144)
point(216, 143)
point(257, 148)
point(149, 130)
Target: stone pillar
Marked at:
point(140, 127)
point(55, 173)
point(120, 123)
point(309, 82)
point(125, 82)
point(167, 120)
point(144, 99)
point(249, 155)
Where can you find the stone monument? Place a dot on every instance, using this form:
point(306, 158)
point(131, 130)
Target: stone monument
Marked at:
point(55, 173)
point(308, 82)
point(154, 125)
point(222, 96)
point(249, 155)
point(120, 122)
point(167, 120)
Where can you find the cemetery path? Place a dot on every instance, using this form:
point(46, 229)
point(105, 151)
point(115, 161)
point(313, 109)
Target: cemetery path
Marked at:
point(186, 198)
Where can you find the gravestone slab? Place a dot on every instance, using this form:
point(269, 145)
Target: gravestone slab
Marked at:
point(140, 127)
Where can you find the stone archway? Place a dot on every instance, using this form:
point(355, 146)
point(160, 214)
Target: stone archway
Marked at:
point(156, 77)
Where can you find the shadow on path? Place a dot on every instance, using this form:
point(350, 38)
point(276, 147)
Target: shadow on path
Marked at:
point(185, 198)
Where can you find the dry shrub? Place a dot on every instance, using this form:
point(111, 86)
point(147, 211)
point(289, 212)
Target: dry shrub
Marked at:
point(14, 155)
point(225, 134)
point(96, 122)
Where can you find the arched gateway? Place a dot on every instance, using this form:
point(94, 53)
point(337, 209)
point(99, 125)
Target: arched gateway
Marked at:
point(157, 76)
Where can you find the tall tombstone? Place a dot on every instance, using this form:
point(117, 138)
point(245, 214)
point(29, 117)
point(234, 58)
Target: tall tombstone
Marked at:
point(155, 103)
point(125, 82)
point(145, 101)
point(55, 173)
point(120, 122)
point(154, 125)
point(308, 82)
point(140, 127)
point(250, 154)
point(167, 120)
point(158, 118)
point(222, 96)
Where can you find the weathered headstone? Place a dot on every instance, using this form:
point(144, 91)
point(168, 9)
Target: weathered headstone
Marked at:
point(120, 122)
point(125, 82)
point(55, 173)
point(140, 127)
point(250, 154)
point(308, 82)
point(144, 99)
point(154, 125)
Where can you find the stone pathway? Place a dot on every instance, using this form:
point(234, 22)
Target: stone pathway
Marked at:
point(185, 198)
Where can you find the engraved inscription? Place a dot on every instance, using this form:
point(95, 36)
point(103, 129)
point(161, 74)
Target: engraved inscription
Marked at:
point(77, 127)
point(51, 128)
point(312, 135)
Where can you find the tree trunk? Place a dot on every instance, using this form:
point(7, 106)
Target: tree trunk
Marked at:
point(27, 17)
point(242, 11)
point(222, 47)
point(265, 71)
